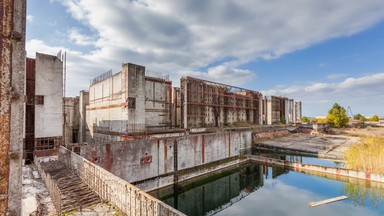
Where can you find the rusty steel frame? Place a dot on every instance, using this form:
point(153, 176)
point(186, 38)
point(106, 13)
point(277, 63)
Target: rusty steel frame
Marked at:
point(12, 74)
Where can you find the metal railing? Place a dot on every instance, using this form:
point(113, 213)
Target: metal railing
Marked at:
point(121, 194)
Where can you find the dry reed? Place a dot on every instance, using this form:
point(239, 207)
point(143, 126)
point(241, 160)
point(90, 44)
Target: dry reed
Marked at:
point(367, 155)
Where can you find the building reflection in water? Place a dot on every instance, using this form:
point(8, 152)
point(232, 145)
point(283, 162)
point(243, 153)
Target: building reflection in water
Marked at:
point(217, 192)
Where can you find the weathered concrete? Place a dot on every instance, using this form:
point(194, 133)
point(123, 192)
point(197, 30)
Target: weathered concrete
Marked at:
point(154, 160)
point(83, 102)
point(49, 84)
point(318, 168)
point(128, 102)
point(12, 76)
point(330, 146)
point(115, 190)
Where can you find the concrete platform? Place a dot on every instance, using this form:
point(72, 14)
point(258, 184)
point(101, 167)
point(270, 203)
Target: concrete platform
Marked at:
point(328, 146)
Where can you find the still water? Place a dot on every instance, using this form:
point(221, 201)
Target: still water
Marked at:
point(255, 189)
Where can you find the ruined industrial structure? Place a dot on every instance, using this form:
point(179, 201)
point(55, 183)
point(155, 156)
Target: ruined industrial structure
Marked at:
point(44, 106)
point(281, 110)
point(210, 104)
point(142, 129)
point(130, 103)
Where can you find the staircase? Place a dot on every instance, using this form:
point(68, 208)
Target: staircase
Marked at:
point(75, 194)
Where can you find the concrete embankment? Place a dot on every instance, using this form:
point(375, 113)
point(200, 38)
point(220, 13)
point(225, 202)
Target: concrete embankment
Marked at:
point(324, 146)
point(368, 176)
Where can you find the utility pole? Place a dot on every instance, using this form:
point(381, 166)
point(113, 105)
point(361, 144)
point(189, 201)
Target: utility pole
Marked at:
point(12, 78)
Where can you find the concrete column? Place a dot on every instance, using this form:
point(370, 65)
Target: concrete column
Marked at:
point(185, 110)
point(12, 79)
point(83, 102)
point(261, 109)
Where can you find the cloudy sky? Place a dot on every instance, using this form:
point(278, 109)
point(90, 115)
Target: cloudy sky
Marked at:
point(315, 51)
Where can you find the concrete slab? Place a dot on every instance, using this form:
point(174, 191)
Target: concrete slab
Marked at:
point(327, 145)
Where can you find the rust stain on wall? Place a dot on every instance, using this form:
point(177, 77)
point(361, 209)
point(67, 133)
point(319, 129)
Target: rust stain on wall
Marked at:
point(108, 157)
point(6, 19)
point(202, 148)
point(165, 156)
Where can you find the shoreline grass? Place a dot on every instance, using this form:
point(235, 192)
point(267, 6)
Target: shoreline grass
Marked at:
point(368, 155)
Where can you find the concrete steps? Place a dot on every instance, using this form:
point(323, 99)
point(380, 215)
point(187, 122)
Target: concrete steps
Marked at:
point(75, 194)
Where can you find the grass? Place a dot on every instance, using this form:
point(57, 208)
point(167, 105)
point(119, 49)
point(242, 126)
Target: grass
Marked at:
point(367, 155)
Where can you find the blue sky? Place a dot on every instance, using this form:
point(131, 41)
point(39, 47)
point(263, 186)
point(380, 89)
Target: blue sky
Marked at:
point(318, 51)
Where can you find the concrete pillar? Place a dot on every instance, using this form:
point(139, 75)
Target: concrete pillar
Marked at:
point(185, 110)
point(12, 79)
point(83, 102)
point(261, 109)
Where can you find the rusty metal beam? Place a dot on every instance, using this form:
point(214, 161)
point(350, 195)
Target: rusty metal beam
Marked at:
point(12, 74)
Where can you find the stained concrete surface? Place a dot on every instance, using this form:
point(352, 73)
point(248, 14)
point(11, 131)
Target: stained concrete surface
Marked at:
point(326, 145)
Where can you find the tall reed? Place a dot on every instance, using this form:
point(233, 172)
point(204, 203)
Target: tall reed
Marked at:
point(368, 155)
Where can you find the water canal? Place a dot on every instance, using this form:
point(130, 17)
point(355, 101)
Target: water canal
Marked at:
point(255, 189)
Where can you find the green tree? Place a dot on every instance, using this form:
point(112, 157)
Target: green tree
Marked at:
point(305, 119)
point(337, 116)
point(374, 118)
point(359, 117)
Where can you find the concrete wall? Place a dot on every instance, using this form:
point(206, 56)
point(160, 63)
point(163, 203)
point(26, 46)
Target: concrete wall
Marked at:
point(49, 83)
point(128, 102)
point(157, 103)
point(12, 84)
point(149, 158)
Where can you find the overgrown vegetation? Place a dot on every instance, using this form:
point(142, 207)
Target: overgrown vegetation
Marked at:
point(359, 117)
point(374, 118)
point(305, 119)
point(367, 155)
point(337, 116)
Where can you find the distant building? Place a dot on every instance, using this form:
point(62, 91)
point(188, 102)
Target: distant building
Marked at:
point(278, 110)
point(44, 107)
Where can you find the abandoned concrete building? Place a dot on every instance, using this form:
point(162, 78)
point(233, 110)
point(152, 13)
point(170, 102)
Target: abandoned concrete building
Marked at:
point(210, 104)
point(277, 110)
point(128, 102)
point(44, 107)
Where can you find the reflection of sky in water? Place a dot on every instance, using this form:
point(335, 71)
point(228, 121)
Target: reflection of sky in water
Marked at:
point(289, 194)
point(255, 190)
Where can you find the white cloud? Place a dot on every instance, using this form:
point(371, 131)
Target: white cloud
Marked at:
point(178, 37)
point(30, 18)
point(75, 35)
